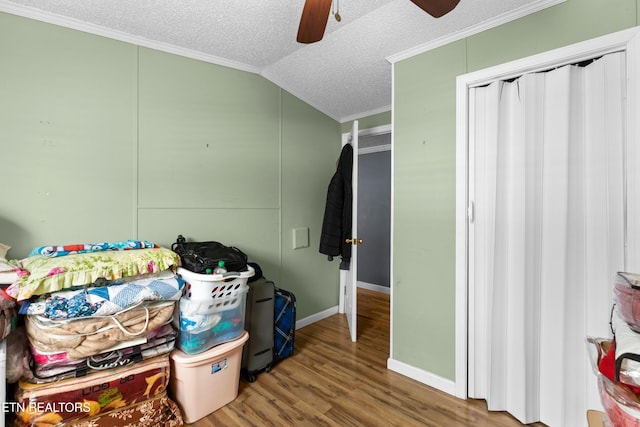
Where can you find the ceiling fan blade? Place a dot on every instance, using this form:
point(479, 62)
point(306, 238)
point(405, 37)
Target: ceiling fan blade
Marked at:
point(313, 21)
point(436, 8)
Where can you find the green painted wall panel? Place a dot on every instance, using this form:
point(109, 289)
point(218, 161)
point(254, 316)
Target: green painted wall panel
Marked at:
point(310, 147)
point(255, 231)
point(67, 126)
point(204, 129)
point(561, 25)
point(102, 140)
point(424, 155)
point(424, 149)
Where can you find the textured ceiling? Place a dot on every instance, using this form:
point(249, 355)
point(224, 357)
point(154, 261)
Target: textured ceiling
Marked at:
point(346, 75)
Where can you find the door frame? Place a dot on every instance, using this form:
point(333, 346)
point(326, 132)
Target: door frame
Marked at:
point(627, 41)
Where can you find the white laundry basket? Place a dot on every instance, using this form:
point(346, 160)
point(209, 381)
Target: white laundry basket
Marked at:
point(209, 287)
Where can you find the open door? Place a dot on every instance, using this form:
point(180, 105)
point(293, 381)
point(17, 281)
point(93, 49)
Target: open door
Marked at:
point(351, 275)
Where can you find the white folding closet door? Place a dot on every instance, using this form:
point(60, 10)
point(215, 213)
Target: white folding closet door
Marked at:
point(546, 180)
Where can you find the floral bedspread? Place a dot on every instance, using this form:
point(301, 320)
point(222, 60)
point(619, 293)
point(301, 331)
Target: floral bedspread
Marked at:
point(41, 274)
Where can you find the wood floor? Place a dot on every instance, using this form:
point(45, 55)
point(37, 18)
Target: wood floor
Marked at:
point(331, 381)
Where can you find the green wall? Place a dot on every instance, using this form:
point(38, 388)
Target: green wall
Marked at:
point(424, 156)
point(424, 209)
point(67, 126)
point(303, 180)
point(103, 140)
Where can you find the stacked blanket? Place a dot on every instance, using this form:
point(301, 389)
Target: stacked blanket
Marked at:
point(106, 297)
point(96, 315)
point(8, 310)
point(100, 393)
point(41, 275)
point(93, 335)
point(56, 366)
point(160, 411)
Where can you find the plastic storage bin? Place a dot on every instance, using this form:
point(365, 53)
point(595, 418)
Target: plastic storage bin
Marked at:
point(627, 297)
point(205, 324)
point(621, 405)
point(618, 404)
point(212, 286)
point(204, 383)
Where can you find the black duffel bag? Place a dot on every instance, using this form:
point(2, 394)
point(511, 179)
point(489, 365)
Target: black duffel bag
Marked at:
point(199, 257)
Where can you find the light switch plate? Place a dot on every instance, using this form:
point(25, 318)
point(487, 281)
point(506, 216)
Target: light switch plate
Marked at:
point(301, 238)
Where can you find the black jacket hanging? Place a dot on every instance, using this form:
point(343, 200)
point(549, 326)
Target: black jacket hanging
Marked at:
point(336, 226)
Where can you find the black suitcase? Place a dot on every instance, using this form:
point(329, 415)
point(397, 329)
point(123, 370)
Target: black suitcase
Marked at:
point(257, 354)
point(284, 324)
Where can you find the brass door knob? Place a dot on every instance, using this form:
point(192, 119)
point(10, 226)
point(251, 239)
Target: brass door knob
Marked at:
point(354, 241)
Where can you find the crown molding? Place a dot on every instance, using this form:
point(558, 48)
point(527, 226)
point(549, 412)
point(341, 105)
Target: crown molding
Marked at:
point(75, 24)
point(467, 32)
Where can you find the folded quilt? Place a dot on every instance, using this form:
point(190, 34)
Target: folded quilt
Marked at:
point(43, 275)
point(50, 367)
point(47, 358)
point(108, 298)
point(78, 398)
point(62, 250)
point(161, 411)
point(89, 336)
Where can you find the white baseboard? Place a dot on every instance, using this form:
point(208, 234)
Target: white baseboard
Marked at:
point(316, 317)
point(432, 380)
point(376, 288)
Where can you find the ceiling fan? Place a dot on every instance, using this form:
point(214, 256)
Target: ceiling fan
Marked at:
point(316, 14)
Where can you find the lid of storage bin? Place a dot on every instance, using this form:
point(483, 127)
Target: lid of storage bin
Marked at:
point(184, 359)
point(190, 275)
